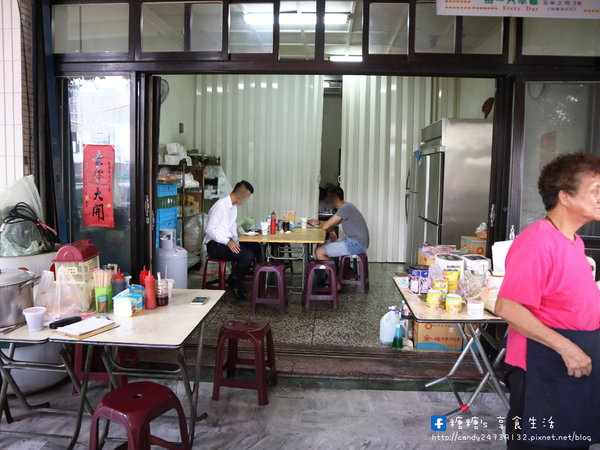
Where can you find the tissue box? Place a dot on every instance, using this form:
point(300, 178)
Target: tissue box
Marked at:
point(129, 302)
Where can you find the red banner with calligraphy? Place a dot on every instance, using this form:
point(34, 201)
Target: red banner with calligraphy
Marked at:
point(98, 176)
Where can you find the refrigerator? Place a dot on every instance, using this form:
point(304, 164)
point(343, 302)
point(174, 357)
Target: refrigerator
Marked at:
point(448, 183)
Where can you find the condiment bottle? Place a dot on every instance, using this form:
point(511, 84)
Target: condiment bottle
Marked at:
point(119, 283)
point(273, 223)
point(150, 285)
point(143, 274)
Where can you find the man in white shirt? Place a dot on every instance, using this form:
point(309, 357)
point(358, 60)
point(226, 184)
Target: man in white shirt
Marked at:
point(222, 237)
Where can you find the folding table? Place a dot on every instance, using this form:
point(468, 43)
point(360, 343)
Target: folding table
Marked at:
point(166, 327)
point(424, 314)
point(307, 237)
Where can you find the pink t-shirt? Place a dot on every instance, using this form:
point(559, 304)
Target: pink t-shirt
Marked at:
point(550, 275)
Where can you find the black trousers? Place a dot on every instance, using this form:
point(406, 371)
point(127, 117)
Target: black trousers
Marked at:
point(516, 378)
point(248, 252)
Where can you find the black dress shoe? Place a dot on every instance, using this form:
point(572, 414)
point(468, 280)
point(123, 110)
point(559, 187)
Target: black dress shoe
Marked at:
point(238, 293)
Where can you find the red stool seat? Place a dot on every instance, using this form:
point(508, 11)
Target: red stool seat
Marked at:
point(220, 281)
point(361, 277)
point(328, 293)
point(259, 292)
point(259, 334)
point(134, 406)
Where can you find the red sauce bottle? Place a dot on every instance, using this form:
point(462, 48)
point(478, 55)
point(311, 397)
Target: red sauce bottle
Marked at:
point(273, 223)
point(150, 285)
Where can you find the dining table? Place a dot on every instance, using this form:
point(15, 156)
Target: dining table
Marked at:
point(307, 237)
point(166, 327)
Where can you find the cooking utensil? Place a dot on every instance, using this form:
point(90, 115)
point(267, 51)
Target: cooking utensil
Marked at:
point(16, 294)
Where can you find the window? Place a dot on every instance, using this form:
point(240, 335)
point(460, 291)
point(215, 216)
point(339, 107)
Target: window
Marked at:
point(433, 33)
point(343, 30)
point(90, 28)
point(251, 27)
point(206, 27)
point(482, 35)
point(388, 28)
point(297, 24)
point(561, 37)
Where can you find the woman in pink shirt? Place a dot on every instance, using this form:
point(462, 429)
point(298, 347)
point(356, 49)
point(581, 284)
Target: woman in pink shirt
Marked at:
point(552, 304)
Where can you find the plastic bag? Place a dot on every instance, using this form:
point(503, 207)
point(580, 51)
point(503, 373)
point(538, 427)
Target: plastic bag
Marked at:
point(46, 295)
point(23, 238)
point(74, 297)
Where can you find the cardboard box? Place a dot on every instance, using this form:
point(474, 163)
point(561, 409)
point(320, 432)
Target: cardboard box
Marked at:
point(425, 259)
point(475, 245)
point(437, 337)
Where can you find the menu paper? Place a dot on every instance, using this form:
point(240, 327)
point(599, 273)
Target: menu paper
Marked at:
point(558, 9)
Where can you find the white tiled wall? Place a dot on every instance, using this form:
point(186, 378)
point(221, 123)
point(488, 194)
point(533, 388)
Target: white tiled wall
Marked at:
point(11, 124)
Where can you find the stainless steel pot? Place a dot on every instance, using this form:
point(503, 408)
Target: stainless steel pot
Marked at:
point(16, 294)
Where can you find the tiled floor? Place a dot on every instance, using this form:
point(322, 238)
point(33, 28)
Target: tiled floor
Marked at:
point(355, 324)
point(296, 418)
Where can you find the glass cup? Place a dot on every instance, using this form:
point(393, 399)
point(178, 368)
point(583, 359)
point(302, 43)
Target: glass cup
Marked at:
point(264, 228)
point(304, 223)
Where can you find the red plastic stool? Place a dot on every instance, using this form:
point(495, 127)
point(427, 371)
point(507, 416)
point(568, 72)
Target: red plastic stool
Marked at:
point(259, 294)
point(125, 357)
point(257, 333)
point(328, 293)
point(217, 283)
point(361, 278)
point(134, 406)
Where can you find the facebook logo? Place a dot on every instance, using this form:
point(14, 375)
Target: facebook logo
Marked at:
point(438, 423)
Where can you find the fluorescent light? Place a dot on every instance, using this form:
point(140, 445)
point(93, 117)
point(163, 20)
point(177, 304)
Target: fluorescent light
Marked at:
point(265, 19)
point(345, 58)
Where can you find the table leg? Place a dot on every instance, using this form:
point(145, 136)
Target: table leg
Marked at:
point(486, 362)
point(473, 355)
point(83, 394)
point(107, 360)
point(455, 366)
point(64, 355)
point(195, 393)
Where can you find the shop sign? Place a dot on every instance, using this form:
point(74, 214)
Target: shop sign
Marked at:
point(559, 9)
point(98, 177)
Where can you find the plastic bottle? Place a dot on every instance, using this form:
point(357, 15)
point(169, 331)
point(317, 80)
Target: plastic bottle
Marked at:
point(143, 274)
point(150, 285)
point(273, 223)
point(511, 235)
point(387, 326)
point(397, 343)
point(119, 283)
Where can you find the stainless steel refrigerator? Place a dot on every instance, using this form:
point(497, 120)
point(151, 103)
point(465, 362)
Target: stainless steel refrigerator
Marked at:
point(448, 183)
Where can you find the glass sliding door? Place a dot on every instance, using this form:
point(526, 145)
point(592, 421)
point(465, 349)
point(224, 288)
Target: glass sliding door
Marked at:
point(557, 117)
point(97, 111)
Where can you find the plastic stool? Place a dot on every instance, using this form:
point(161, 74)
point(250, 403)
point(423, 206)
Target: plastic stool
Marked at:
point(259, 294)
point(345, 276)
point(134, 406)
point(257, 333)
point(217, 283)
point(328, 293)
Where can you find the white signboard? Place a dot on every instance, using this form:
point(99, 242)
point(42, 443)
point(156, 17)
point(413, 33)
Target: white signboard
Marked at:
point(573, 9)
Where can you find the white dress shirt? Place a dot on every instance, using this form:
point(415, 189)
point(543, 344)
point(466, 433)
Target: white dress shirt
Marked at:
point(222, 222)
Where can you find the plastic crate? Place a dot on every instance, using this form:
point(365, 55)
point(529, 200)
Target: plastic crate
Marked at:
point(165, 219)
point(167, 202)
point(166, 190)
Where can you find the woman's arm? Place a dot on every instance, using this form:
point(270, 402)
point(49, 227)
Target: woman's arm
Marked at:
point(524, 322)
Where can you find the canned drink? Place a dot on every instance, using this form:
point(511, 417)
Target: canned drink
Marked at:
point(418, 279)
point(452, 276)
point(435, 298)
point(453, 303)
point(441, 284)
